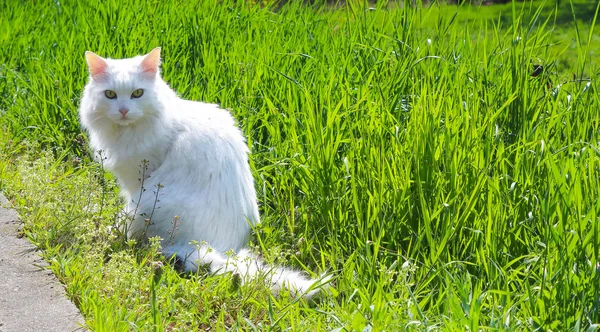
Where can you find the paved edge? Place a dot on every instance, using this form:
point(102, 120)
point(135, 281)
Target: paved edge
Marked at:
point(31, 298)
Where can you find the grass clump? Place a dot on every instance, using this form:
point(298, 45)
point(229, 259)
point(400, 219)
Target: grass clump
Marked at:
point(407, 150)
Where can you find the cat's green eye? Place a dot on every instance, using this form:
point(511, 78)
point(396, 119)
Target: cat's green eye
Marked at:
point(110, 94)
point(137, 93)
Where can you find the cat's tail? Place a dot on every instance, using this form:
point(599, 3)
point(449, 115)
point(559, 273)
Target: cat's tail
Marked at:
point(248, 266)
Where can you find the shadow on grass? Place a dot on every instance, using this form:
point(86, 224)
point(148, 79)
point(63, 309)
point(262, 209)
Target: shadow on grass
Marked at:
point(560, 12)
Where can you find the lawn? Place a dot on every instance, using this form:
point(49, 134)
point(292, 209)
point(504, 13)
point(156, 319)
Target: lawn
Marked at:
point(408, 151)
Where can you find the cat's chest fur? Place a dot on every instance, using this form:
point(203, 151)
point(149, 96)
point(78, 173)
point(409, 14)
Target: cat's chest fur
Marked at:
point(133, 153)
point(135, 169)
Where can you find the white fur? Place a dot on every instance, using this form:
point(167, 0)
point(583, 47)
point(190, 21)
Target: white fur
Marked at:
point(197, 173)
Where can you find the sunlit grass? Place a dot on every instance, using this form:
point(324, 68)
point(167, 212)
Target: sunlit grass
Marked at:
point(408, 151)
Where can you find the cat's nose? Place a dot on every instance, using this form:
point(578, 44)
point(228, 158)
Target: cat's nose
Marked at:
point(123, 111)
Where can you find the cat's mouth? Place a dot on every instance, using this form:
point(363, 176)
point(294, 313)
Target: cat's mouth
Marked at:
point(125, 121)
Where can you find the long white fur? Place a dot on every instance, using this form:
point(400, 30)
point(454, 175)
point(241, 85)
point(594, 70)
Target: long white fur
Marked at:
point(196, 188)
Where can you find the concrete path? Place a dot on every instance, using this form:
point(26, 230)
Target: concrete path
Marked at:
point(31, 298)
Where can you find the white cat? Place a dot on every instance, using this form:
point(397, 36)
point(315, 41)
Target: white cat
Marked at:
point(192, 154)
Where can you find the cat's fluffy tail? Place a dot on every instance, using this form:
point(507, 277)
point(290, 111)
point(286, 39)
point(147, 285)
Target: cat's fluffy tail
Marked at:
point(248, 266)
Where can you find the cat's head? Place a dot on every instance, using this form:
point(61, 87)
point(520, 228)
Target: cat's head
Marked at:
point(122, 91)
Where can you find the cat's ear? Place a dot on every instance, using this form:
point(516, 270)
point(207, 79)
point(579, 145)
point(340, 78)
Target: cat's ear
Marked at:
point(96, 64)
point(151, 62)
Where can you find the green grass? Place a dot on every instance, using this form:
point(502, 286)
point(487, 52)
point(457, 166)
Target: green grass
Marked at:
point(407, 151)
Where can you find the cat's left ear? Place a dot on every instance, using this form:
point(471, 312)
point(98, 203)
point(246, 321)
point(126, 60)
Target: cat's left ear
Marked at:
point(151, 62)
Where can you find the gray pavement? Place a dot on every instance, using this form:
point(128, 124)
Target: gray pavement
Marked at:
point(31, 298)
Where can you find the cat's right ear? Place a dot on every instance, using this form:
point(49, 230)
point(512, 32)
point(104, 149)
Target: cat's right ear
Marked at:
point(96, 64)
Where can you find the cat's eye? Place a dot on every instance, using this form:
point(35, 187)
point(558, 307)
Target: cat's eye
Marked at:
point(110, 94)
point(137, 93)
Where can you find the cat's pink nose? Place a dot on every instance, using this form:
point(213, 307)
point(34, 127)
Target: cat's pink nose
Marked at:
point(123, 111)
